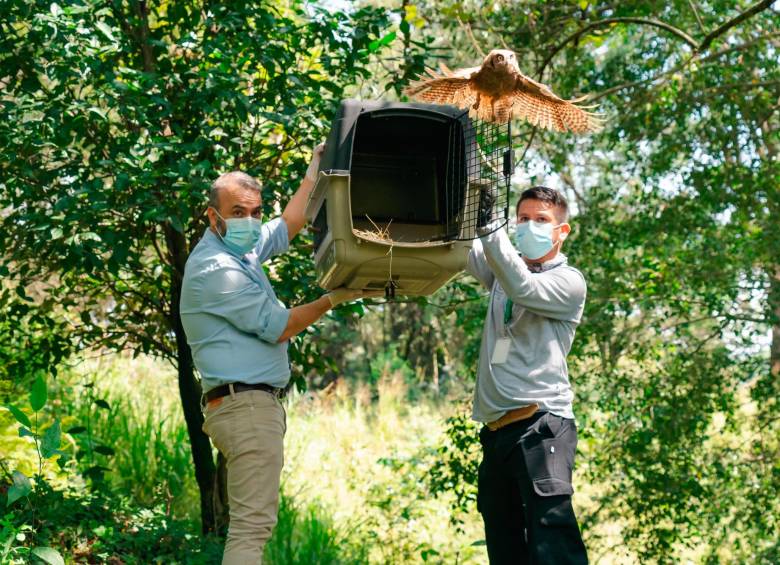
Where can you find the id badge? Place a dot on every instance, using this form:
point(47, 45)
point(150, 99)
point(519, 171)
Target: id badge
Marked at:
point(500, 351)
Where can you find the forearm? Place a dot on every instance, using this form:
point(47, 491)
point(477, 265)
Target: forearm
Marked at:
point(293, 214)
point(477, 266)
point(301, 317)
point(506, 265)
point(557, 294)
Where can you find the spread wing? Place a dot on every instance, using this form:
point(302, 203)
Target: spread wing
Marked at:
point(443, 90)
point(536, 103)
point(460, 73)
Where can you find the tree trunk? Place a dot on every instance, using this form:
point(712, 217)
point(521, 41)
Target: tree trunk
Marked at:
point(202, 457)
point(190, 392)
point(189, 388)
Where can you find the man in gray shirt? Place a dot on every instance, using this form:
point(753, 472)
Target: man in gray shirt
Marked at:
point(523, 394)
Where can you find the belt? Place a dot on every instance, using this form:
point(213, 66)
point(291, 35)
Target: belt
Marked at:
point(513, 416)
point(224, 390)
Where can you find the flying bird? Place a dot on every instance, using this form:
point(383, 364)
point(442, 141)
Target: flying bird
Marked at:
point(497, 91)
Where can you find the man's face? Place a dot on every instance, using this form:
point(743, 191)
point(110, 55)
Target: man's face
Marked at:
point(543, 212)
point(235, 202)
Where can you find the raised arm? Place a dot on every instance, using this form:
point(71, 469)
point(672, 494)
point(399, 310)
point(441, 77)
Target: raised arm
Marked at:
point(558, 293)
point(477, 265)
point(293, 212)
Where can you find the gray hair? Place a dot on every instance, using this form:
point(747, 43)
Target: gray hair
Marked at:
point(232, 178)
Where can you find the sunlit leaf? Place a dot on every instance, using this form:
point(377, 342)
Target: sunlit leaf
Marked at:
point(48, 555)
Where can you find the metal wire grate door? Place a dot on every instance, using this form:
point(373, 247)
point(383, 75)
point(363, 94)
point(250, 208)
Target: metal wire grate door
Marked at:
point(479, 172)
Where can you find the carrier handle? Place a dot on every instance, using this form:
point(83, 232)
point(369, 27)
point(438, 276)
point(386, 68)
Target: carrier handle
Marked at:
point(393, 113)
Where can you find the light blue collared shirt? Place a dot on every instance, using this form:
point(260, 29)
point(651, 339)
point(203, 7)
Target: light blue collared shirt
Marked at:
point(230, 312)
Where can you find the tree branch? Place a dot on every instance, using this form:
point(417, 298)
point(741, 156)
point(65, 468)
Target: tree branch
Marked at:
point(143, 36)
point(696, 13)
point(697, 47)
point(528, 143)
point(470, 33)
point(750, 12)
point(682, 65)
point(594, 25)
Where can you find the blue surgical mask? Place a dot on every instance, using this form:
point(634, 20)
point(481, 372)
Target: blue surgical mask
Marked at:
point(534, 239)
point(241, 234)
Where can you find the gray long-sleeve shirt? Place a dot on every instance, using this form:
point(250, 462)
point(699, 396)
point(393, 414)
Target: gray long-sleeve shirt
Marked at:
point(547, 307)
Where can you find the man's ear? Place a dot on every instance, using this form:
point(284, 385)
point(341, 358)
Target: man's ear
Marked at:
point(212, 214)
point(565, 231)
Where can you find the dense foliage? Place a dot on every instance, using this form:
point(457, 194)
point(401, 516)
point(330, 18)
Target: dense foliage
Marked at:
point(115, 119)
point(116, 116)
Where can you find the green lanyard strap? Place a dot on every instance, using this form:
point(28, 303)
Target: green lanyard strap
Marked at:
point(508, 311)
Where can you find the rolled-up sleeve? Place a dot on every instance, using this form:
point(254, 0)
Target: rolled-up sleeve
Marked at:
point(274, 239)
point(558, 293)
point(230, 294)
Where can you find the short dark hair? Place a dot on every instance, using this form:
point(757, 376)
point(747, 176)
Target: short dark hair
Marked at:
point(549, 195)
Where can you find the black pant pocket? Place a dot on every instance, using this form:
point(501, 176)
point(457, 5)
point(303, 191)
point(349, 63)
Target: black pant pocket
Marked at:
point(552, 486)
point(548, 451)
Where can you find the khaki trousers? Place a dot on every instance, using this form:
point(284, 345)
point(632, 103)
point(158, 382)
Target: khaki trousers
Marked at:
point(248, 428)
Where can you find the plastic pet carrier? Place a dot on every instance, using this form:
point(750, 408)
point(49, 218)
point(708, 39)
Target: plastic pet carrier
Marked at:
point(396, 202)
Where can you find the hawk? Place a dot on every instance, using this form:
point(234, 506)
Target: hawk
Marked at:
point(497, 91)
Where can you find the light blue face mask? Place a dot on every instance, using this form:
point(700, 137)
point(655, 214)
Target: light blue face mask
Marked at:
point(241, 234)
point(534, 239)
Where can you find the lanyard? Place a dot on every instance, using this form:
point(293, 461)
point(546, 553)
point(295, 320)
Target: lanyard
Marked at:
point(508, 311)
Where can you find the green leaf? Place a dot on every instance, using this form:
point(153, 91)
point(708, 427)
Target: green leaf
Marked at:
point(20, 416)
point(25, 432)
point(105, 30)
point(96, 472)
point(20, 487)
point(48, 555)
point(104, 450)
point(387, 39)
point(102, 404)
point(77, 430)
point(38, 394)
point(50, 442)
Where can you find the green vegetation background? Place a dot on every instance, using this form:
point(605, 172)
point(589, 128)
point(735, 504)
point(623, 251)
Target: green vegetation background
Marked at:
point(117, 115)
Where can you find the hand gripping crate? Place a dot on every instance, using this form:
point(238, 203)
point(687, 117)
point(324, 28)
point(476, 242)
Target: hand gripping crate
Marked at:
point(396, 201)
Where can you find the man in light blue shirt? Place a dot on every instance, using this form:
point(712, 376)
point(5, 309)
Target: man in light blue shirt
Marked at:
point(231, 314)
point(238, 332)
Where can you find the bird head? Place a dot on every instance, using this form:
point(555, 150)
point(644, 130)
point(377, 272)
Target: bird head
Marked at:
point(501, 58)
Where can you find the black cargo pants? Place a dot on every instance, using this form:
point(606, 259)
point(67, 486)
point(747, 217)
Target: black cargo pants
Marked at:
point(525, 492)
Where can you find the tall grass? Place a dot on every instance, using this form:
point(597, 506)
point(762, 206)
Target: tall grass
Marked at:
point(355, 459)
point(143, 425)
point(364, 452)
point(307, 535)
